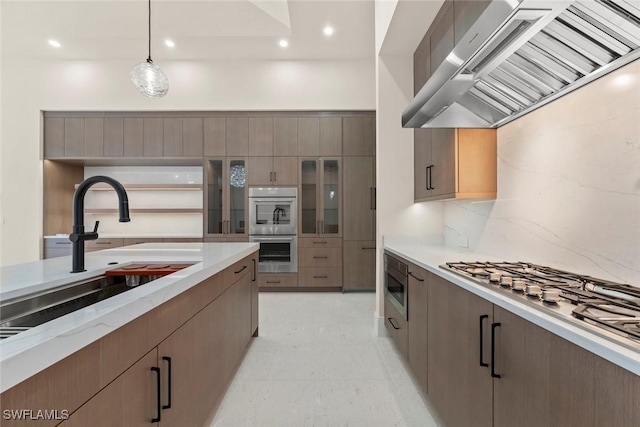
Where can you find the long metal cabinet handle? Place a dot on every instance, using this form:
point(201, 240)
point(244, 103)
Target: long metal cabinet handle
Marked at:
point(417, 278)
point(482, 318)
point(275, 176)
point(253, 260)
point(159, 402)
point(241, 270)
point(390, 319)
point(431, 187)
point(168, 360)
point(375, 198)
point(320, 257)
point(371, 198)
point(493, 349)
point(426, 178)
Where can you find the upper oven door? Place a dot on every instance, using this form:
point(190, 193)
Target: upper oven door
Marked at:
point(272, 216)
point(396, 286)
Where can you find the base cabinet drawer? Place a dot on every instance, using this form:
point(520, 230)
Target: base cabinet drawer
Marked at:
point(100, 244)
point(268, 280)
point(319, 242)
point(320, 257)
point(396, 324)
point(320, 277)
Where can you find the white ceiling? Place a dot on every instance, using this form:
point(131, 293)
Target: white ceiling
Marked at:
point(202, 29)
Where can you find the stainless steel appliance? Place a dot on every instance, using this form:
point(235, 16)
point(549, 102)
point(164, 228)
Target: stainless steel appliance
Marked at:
point(611, 310)
point(396, 283)
point(522, 54)
point(273, 223)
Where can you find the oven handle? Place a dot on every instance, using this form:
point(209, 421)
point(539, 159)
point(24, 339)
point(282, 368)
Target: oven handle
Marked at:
point(270, 239)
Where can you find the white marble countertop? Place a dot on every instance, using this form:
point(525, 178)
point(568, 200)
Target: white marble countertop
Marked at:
point(25, 354)
point(600, 342)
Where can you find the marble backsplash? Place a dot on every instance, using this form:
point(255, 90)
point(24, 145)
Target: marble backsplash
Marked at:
point(568, 185)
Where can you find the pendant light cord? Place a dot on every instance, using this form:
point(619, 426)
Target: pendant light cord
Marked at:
point(149, 58)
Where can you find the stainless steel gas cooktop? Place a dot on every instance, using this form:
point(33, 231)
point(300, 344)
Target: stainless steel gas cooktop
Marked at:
point(586, 301)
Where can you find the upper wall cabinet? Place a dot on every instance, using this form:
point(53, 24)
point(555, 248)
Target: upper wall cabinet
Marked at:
point(319, 136)
point(95, 137)
point(455, 164)
point(359, 136)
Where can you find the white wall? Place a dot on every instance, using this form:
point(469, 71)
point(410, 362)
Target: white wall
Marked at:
point(397, 215)
point(568, 185)
point(31, 86)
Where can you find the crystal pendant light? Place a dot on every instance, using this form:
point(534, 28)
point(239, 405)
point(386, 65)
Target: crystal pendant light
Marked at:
point(147, 77)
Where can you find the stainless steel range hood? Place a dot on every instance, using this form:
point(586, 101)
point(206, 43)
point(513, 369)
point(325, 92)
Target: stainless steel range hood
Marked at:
point(520, 55)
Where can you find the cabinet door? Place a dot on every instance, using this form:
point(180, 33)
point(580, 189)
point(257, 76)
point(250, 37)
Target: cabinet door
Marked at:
point(359, 265)
point(215, 136)
point(192, 137)
point(331, 136)
point(421, 64)
point(133, 137)
point(153, 137)
point(442, 37)
point(53, 137)
point(443, 152)
point(417, 324)
point(74, 137)
point(129, 401)
point(308, 136)
point(616, 399)
point(285, 171)
point(422, 161)
point(331, 197)
point(285, 136)
point(254, 295)
point(359, 209)
point(237, 129)
point(309, 197)
point(215, 216)
point(396, 325)
point(172, 137)
point(94, 137)
point(260, 136)
point(260, 171)
point(113, 137)
point(551, 378)
point(237, 198)
point(358, 136)
point(465, 13)
point(458, 387)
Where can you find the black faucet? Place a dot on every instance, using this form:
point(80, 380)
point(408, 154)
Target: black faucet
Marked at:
point(78, 235)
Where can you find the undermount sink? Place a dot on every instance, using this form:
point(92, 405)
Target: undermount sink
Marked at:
point(25, 312)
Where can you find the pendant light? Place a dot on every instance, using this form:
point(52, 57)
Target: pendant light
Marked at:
point(147, 77)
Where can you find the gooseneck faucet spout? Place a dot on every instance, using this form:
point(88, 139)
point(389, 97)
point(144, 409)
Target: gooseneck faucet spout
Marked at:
point(78, 235)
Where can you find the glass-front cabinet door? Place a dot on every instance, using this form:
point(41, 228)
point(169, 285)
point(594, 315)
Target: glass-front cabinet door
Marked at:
point(225, 197)
point(309, 183)
point(331, 197)
point(320, 196)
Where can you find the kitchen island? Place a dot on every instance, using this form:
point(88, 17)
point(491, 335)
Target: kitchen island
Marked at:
point(69, 362)
point(487, 355)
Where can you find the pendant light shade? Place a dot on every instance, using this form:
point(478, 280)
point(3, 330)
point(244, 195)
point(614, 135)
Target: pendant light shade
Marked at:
point(147, 77)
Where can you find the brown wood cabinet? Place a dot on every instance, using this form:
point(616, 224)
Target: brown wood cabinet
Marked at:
point(278, 171)
point(226, 198)
point(417, 324)
point(285, 136)
point(102, 243)
point(359, 136)
point(396, 325)
point(359, 198)
point(204, 331)
point(237, 136)
point(455, 164)
point(261, 136)
point(320, 277)
point(215, 136)
point(113, 137)
point(278, 280)
point(153, 137)
point(129, 401)
point(442, 36)
point(359, 265)
point(319, 136)
point(320, 197)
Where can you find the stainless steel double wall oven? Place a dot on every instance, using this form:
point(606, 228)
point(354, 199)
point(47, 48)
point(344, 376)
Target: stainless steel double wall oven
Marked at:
point(273, 223)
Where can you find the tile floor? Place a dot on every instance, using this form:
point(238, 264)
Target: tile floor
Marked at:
point(316, 363)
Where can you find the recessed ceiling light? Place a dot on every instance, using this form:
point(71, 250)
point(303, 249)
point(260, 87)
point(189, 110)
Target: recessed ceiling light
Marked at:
point(284, 43)
point(170, 43)
point(328, 30)
point(54, 43)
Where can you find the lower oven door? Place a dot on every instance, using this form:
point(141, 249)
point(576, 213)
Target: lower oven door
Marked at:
point(278, 254)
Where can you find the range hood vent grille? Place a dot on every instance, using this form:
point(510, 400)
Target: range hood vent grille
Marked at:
point(528, 61)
